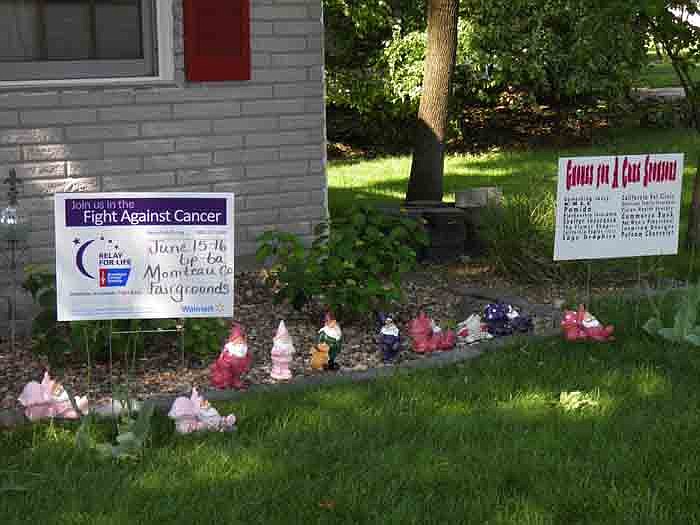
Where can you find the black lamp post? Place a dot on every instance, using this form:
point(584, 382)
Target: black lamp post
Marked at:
point(13, 233)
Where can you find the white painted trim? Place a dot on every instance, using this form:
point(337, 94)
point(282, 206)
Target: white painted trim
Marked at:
point(166, 60)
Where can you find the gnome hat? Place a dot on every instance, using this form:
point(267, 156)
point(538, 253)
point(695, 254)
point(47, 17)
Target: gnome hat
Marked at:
point(237, 334)
point(282, 335)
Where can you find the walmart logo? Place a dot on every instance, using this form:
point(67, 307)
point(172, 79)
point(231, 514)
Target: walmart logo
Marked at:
point(198, 308)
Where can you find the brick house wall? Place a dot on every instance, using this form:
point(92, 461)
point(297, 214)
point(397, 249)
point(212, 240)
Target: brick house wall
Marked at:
point(263, 139)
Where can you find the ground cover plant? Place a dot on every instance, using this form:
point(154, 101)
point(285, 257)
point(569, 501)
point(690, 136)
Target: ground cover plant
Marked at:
point(542, 431)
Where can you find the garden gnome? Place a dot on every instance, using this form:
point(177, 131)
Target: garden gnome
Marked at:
point(472, 330)
point(421, 329)
point(389, 338)
point(572, 327)
point(582, 325)
point(332, 337)
point(594, 329)
point(233, 361)
point(319, 356)
point(194, 413)
point(281, 354)
point(428, 336)
point(49, 399)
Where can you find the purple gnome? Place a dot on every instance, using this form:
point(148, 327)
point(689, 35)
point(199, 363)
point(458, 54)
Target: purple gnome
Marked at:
point(389, 338)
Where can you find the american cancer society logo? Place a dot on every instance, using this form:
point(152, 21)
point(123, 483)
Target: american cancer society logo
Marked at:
point(102, 260)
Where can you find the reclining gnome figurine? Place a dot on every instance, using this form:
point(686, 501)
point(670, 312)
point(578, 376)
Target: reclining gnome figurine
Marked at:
point(428, 336)
point(233, 361)
point(281, 354)
point(582, 325)
point(330, 340)
point(49, 399)
point(194, 413)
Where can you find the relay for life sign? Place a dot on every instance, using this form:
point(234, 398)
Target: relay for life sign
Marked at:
point(144, 255)
point(618, 206)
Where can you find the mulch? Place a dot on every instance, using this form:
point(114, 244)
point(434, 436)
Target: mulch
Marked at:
point(437, 290)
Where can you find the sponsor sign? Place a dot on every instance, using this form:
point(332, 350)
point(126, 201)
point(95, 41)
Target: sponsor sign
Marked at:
point(618, 206)
point(144, 255)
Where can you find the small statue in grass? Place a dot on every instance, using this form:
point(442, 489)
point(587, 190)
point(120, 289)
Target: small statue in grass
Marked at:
point(582, 325)
point(233, 361)
point(281, 354)
point(329, 336)
point(428, 336)
point(194, 413)
point(49, 399)
point(389, 338)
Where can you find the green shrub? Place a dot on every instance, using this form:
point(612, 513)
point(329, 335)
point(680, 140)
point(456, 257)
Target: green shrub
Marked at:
point(354, 264)
point(685, 328)
point(58, 340)
point(204, 336)
point(49, 337)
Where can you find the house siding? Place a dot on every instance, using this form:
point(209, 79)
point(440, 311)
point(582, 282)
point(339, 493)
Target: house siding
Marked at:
point(263, 139)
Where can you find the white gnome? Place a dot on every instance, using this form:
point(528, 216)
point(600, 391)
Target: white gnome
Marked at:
point(281, 354)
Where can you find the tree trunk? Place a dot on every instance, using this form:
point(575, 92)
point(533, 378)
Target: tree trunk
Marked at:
point(425, 183)
point(693, 236)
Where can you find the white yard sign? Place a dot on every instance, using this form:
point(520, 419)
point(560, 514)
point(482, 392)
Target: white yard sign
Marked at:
point(144, 255)
point(618, 206)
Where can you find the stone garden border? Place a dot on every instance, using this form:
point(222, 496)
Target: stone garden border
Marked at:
point(10, 418)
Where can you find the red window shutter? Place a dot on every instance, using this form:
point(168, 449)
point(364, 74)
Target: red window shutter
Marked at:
point(217, 39)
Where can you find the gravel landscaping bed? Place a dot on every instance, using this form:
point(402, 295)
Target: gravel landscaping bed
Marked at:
point(447, 293)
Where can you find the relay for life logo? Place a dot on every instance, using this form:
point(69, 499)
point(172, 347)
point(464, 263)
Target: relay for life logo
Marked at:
point(102, 260)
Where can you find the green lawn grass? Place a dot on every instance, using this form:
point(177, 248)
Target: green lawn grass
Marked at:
point(660, 74)
point(386, 179)
point(485, 442)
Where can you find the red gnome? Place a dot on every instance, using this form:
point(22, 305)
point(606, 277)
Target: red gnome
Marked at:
point(233, 361)
point(582, 325)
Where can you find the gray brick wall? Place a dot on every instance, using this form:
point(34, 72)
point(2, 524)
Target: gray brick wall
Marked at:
point(262, 139)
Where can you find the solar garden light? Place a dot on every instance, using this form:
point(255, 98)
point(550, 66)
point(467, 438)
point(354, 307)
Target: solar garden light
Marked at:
point(13, 234)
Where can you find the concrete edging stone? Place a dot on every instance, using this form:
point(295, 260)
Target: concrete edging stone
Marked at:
point(10, 418)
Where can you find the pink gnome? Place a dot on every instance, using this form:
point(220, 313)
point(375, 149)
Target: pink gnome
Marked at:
point(428, 336)
point(233, 361)
point(48, 399)
point(281, 354)
point(582, 325)
point(194, 413)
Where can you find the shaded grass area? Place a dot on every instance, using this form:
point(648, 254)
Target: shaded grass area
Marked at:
point(484, 442)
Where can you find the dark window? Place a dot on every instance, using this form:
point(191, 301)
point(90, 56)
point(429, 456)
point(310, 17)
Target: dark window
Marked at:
point(66, 39)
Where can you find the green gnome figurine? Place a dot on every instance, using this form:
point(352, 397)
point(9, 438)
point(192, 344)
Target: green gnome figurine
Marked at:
point(331, 335)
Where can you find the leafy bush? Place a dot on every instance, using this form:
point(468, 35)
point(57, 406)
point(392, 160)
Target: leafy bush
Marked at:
point(204, 336)
point(685, 328)
point(354, 265)
point(49, 337)
point(556, 50)
point(560, 49)
point(57, 340)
